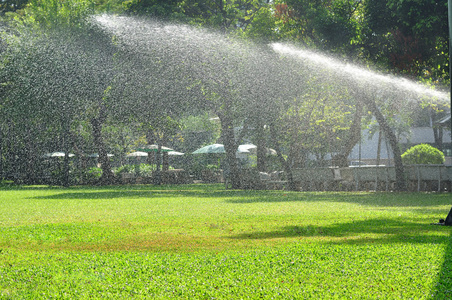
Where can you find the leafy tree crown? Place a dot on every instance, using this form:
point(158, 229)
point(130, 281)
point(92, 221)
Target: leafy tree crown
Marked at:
point(423, 154)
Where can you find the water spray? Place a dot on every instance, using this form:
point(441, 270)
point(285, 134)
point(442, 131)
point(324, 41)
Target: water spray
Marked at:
point(357, 74)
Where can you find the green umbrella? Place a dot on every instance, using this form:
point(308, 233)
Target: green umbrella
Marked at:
point(154, 148)
point(214, 148)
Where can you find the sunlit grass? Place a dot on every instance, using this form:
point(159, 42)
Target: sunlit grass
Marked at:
point(203, 241)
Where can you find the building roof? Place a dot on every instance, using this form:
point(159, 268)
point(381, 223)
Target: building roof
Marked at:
point(444, 121)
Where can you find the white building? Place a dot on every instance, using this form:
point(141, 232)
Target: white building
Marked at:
point(366, 151)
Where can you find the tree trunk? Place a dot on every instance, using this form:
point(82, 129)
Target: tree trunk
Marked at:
point(165, 161)
point(287, 169)
point(438, 135)
point(230, 146)
point(261, 151)
point(341, 159)
point(158, 173)
point(379, 148)
point(9, 152)
point(97, 123)
point(66, 134)
point(82, 160)
point(399, 169)
point(437, 132)
point(151, 158)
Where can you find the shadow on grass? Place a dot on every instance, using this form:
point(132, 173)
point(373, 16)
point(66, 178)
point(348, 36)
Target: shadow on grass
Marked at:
point(217, 191)
point(364, 198)
point(376, 231)
point(359, 232)
point(443, 288)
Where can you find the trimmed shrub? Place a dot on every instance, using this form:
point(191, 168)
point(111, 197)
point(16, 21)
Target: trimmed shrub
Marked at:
point(93, 174)
point(144, 170)
point(423, 154)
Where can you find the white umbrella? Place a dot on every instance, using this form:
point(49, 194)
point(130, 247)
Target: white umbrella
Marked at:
point(97, 155)
point(137, 154)
point(154, 148)
point(57, 154)
point(175, 153)
point(253, 149)
point(247, 148)
point(217, 148)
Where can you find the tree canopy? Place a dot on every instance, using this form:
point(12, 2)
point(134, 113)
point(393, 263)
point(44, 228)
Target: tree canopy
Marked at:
point(67, 70)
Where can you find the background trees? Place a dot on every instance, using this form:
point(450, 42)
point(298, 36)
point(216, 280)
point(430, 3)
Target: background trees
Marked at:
point(66, 74)
point(58, 68)
point(408, 36)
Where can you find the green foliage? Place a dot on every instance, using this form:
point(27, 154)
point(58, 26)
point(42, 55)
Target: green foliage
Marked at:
point(127, 169)
point(262, 26)
point(87, 176)
point(144, 170)
point(423, 154)
point(57, 13)
point(12, 5)
point(382, 31)
point(212, 167)
point(200, 123)
point(93, 174)
point(330, 25)
point(156, 8)
point(408, 36)
point(198, 163)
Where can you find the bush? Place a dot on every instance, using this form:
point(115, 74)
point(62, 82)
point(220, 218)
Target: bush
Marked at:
point(125, 169)
point(423, 154)
point(143, 170)
point(93, 174)
point(146, 170)
point(137, 170)
point(83, 176)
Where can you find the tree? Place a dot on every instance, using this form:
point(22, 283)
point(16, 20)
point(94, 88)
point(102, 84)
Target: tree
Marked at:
point(54, 14)
point(157, 8)
point(34, 88)
point(393, 141)
point(407, 36)
point(71, 65)
point(262, 24)
point(328, 25)
point(153, 79)
point(226, 15)
point(12, 5)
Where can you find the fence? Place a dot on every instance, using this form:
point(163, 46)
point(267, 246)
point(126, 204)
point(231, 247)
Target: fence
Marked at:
point(382, 178)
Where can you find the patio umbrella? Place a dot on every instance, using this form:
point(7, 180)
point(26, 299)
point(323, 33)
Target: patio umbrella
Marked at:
point(95, 155)
point(175, 153)
point(154, 148)
point(217, 148)
point(214, 148)
point(137, 154)
point(253, 149)
point(57, 154)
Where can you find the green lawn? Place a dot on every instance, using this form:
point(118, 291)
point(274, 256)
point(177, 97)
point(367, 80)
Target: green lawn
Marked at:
point(203, 242)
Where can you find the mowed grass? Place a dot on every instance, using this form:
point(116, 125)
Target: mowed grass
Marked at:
point(204, 242)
